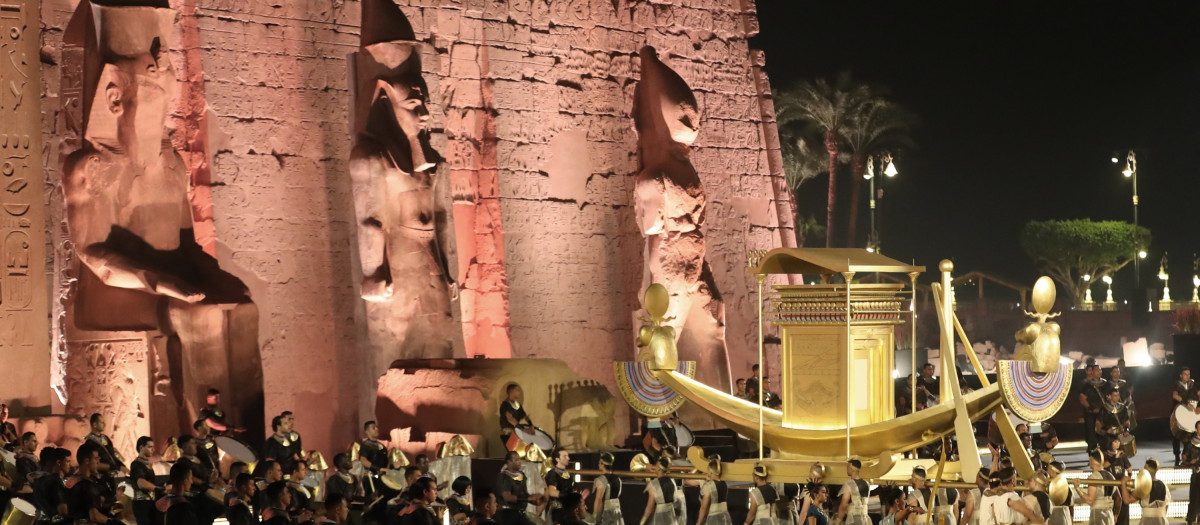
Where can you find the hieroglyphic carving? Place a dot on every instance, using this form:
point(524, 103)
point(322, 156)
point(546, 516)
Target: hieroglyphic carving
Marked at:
point(110, 377)
point(23, 312)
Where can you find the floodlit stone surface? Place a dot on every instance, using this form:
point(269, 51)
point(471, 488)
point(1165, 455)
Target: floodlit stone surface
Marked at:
point(530, 104)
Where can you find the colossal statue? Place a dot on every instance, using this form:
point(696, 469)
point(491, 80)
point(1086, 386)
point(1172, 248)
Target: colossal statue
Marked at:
point(406, 279)
point(130, 221)
point(669, 204)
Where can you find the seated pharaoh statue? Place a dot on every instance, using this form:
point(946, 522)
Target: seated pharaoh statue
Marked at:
point(130, 221)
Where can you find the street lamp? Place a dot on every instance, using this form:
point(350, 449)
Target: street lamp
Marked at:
point(1130, 172)
point(1088, 303)
point(1165, 304)
point(889, 169)
point(1109, 303)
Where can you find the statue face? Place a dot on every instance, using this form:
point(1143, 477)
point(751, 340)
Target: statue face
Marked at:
point(137, 91)
point(406, 98)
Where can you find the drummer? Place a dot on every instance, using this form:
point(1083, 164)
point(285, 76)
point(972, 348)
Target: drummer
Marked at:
point(27, 460)
point(212, 413)
point(176, 506)
point(49, 489)
point(8, 431)
point(512, 414)
point(141, 476)
point(373, 455)
point(1116, 419)
point(514, 493)
point(205, 446)
point(111, 461)
point(88, 500)
point(1183, 392)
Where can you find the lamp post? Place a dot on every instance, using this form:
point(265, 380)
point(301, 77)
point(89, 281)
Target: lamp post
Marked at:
point(1165, 304)
point(1109, 303)
point(1130, 172)
point(1088, 303)
point(889, 169)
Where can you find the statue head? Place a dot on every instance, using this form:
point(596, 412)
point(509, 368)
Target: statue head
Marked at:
point(390, 93)
point(1043, 295)
point(130, 98)
point(665, 107)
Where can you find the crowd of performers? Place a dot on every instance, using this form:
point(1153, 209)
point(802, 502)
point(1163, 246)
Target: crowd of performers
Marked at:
point(372, 485)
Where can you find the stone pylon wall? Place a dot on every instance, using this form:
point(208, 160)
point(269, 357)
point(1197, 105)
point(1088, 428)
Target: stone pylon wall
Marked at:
point(531, 105)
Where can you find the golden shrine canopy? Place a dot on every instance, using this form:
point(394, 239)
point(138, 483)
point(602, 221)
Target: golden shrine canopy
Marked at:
point(828, 260)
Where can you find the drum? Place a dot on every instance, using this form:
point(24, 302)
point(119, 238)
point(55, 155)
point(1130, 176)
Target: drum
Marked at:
point(538, 437)
point(684, 436)
point(1185, 417)
point(20, 512)
point(237, 449)
point(8, 463)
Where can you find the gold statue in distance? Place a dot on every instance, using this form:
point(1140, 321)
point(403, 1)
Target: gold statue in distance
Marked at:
point(657, 340)
point(1042, 346)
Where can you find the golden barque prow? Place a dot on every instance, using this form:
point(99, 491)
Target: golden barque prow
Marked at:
point(657, 341)
point(1042, 346)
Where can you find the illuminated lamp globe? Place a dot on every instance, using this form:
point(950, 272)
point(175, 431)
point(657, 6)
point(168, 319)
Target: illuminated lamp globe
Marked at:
point(891, 171)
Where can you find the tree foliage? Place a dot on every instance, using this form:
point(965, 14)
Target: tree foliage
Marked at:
point(1071, 249)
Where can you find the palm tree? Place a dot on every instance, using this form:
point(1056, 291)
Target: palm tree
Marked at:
point(828, 106)
point(800, 164)
point(876, 126)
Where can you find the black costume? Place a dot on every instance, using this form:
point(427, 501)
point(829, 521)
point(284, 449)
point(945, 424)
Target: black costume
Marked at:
point(85, 494)
point(282, 449)
point(239, 513)
point(1115, 420)
point(215, 414)
point(143, 501)
point(1186, 392)
point(561, 480)
point(276, 516)
point(514, 409)
point(177, 510)
point(1092, 391)
point(49, 490)
point(1191, 459)
point(344, 484)
point(512, 513)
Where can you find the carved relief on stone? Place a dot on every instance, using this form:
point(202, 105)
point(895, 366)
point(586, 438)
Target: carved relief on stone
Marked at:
point(130, 222)
point(669, 203)
point(23, 307)
point(109, 377)
point(406, 279)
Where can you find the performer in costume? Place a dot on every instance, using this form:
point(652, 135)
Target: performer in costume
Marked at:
point(1091, 397)
point(280, 446)
point(239, 511)
point(559, 482)
point(486, 507)
point(88, 500)
point(212, 414)
point(278, 498)
point(1001, 505)
point(111, 461)
point(372, 454)
point(1118, 419)
point(819, 495)
point(973, 498)
point(206, 448)
point(422, 496)
point(1154, 505)
point(1184, 392)
point(342, 481)
point(1191, 460)
point(714, 497)
point(337, 511)
point(660, 495)
point(893, 506)
point(141, 476)
point(1116, 383)
point(854, 495)
point(606, 491)
point(459, 503)
point(763, 497)
point(1036, 498)
point(175, 506)
point(511, 486)
point(49, 486)
point(1060, 514)
point(512, 414)
point(1099, 497)
point(919, 497)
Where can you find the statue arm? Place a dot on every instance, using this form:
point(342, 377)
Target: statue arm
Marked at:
point(120, 271)
point(372, 240)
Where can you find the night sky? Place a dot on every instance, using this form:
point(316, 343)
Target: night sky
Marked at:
point(1022, 105)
